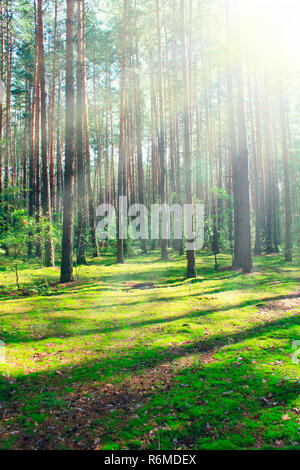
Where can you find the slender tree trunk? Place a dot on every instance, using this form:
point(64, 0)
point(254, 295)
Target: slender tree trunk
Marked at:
point(141, 193)
point(268, 169)
point(8, 93)
point(286, 174)
point(25, 144)
point(46, 203)
point(243, 182)
point(81, 163)
point(190, 254)
point(32, 153)
point(161, 133)
point(37, 142)
point(52, 114)
point(256, 188)
point(232, 147)
point(2, 94)
point(59, 169)
point(122, 191)
point(90, 196)
point(241, 179)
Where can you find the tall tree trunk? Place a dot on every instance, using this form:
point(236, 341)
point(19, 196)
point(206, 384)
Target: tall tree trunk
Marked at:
point(137, 94)
point(32, 170)
point(2, 94)
point(90, 196)
point(243, 256)
point(37, 139)
point(52, 115)
point(256, 188)
point(66, 274)
point(286, 174)
point(190, 254)
point(59, 169)
point(232, 144)
point(268, 169)
point(25, 144)
point(81, 163)
point(122, 159)
point(8, 93)
point(46, 203)
point(161, 133)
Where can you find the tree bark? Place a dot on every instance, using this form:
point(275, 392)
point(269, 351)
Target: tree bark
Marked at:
point(46, 203)
point(67, 237)
point(286, 173)
point(190, 254)
point(122, 190)
point(81, 163)
point(161, 133)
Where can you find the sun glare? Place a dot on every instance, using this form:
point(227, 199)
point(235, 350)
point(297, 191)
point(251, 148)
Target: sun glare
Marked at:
point(271, 27)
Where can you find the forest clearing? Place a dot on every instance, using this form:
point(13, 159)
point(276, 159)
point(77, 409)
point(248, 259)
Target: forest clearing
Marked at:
point(149, 225)
point(200, 365)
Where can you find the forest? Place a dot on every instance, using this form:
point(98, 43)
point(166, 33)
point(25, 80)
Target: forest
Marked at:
point(149, 225)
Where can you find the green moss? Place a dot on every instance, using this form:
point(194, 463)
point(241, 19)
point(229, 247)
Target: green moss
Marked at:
point(206, 364)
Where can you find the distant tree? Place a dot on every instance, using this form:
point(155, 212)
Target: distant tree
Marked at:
point(190, 254)
point(46, 202)
point(122, 191)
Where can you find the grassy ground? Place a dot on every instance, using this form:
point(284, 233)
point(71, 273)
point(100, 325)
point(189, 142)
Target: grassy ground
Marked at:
point(136, 357)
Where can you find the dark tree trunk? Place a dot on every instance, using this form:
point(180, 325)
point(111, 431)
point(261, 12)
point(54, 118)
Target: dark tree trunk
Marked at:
point(190, 254)
point(67, 237)
point(242, 229)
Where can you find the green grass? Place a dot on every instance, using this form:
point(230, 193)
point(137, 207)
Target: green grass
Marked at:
point(184, 365)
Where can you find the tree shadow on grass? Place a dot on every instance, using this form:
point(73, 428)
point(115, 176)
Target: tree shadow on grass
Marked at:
point(59, 327)
point(31, 393)
point(197, 406)
point(143, 357)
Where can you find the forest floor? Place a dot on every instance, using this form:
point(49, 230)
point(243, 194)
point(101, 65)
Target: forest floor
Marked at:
point(137, 357)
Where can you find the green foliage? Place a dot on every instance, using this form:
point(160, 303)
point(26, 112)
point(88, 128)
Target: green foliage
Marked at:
point(19, 231)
